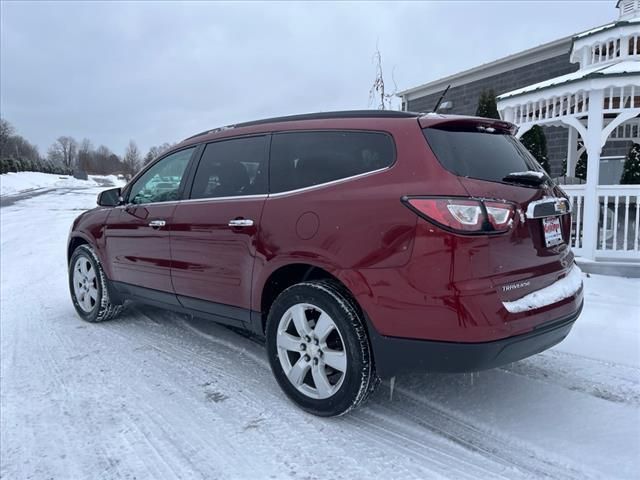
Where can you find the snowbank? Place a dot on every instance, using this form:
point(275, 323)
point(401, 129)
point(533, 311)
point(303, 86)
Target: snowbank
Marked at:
point(15, 183)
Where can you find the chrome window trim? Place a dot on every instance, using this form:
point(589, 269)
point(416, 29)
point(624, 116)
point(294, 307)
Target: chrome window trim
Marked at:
point(265, 195)
point(232, 197)
point(332, 182)
point(196, 200)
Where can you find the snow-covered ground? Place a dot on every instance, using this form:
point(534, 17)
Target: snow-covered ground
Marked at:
point(155, 395)
point(23, 182)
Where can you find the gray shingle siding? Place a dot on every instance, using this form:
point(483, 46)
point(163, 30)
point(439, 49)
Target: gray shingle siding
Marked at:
point(465, 97)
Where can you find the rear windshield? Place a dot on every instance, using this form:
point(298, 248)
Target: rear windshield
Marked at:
point(485, 156)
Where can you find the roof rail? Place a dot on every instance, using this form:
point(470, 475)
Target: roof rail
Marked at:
point(315, 116)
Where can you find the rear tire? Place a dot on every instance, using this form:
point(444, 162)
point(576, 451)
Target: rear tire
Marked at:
point(319, 350)
point(88, 287)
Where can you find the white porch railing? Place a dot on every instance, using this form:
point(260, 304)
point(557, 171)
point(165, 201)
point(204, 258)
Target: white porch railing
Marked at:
point(618, 233)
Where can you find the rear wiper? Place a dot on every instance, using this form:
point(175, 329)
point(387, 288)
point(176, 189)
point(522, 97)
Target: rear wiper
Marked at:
point(530, 177)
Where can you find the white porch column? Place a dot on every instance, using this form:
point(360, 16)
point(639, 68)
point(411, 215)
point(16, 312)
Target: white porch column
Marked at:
point(594, 147)
point(572, 153)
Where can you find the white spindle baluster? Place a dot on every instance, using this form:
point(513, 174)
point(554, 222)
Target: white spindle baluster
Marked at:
point(579, 221)
point(614, 223)
point(604, 223)
point(626, 221)
point(610, 98)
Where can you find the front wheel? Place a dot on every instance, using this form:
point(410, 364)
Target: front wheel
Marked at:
point(318, 348)
point(88, 286)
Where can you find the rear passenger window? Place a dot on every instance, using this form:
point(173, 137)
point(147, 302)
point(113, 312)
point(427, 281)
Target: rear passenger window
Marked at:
point(304, 159)
point(231, 168)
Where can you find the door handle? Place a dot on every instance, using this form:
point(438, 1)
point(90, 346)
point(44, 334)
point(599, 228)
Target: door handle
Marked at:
point(241, 222)
point(157, 223)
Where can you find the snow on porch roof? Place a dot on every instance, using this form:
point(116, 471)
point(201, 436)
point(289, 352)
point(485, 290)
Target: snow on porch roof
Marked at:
point(608, 26)
point(621, 68)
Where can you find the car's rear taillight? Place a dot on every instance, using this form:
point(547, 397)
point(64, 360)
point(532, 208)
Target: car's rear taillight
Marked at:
point(500, 215)
point(464, 215)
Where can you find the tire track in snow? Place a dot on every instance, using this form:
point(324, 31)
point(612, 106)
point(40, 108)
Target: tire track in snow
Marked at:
point(279, 429)
point(180, 439)
point(454, 430)
point(516, 457)
point(612, 382)
point(56, 396)
point(277, 399)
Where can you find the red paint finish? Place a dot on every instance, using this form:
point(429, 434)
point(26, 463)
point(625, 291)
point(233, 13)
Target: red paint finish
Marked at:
point(412, 278)
point(135, 252)
point(211, 260)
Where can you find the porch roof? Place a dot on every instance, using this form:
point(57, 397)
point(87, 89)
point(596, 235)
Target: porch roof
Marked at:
point(627, 67)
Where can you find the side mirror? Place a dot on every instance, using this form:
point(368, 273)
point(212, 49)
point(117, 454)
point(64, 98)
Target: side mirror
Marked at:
point(110, 198)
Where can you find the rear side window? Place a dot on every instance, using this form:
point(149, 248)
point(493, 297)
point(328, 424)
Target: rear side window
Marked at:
point(231, 168)
point(304, 159)
point(485, 156)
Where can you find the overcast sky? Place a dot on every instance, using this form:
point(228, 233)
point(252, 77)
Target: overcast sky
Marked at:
point(161, 71)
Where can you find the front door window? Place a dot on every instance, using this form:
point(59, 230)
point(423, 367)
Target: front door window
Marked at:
point(162, 182)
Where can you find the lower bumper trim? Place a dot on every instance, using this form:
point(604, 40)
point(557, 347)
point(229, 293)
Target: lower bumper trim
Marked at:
point(401, 355)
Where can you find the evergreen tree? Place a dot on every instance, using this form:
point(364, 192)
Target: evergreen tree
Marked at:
point(631, 169)
point(536, 143)
point(487, 106)
point(581, 166)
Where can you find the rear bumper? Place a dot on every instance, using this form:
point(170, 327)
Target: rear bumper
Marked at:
point(400, 355)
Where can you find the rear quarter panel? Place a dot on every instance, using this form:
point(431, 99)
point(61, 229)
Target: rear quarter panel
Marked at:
point(354, 225)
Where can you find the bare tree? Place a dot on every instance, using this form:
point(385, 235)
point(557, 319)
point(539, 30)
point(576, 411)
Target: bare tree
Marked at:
point(155, 151)
point(64, 150)
point(377, 93)
point(85, 155)
point(131, 159)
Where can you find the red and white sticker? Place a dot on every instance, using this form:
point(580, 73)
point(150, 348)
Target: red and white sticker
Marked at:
point(552, 231)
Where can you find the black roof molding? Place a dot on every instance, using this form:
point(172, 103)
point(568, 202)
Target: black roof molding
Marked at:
point(316, 116)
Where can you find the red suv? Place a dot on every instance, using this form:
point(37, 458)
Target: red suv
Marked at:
point(359, 244)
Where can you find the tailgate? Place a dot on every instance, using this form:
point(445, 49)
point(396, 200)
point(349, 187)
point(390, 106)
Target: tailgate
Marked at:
point(521, 261)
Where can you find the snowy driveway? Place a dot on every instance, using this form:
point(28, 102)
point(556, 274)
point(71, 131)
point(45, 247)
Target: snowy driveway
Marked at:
point(154, 395)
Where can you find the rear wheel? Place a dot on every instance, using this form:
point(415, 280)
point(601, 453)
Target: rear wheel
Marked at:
point(88, 287)
point(318, 348)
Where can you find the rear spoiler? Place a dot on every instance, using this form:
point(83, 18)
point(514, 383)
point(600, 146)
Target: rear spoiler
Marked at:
point(461, 122)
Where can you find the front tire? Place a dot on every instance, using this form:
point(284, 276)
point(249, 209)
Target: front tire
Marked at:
point(318, 348)
point(88, 287)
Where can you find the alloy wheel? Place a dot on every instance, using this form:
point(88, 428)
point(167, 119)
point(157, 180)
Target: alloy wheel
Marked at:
point(85, 284)
point(311, 351)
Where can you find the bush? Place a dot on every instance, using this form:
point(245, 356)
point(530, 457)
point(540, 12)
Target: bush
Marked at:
point(487, 106)
point(536, 142)
point(631, 168)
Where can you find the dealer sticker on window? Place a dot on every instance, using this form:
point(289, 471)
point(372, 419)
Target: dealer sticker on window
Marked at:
point(552, 231)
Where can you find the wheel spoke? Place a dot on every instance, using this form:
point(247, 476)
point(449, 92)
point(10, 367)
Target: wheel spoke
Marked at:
point(91, 274)
point(300, 320)
point(93, 293)
point(298, 371)
point(288, 342)
point(320, 379)
point(83, 300)
point(323, 327)
point(83, 266)
point(335, 359)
